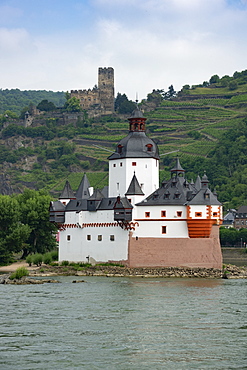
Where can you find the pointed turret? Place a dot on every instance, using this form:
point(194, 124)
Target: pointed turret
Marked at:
point(67, 192)
point(83, 189)
point(134, 188)
point(204, 181)
point(198, 183)
point(177, 170)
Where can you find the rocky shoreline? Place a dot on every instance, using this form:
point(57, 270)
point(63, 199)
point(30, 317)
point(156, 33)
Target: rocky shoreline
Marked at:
point(228, 272)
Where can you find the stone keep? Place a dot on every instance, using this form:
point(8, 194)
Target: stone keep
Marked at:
point(99, 100)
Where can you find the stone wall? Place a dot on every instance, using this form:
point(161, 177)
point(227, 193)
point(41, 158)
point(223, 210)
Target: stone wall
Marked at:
point(176, 252)
point(100, 98)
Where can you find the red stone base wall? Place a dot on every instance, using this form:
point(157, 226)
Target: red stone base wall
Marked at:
point(180, 252)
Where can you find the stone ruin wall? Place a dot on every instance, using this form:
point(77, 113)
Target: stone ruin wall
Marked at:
point(98, 100)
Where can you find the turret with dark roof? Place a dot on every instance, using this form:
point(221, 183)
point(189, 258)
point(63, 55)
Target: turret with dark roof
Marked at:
point(83, 189)
point(67, 192)
point(134, 188)
point(136, 144)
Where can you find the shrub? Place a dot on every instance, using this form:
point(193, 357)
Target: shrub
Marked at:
point(19, 273)
point(54, 255)
point(65, 263)
point(47, 258)
point(37, 259)
point(29, 259)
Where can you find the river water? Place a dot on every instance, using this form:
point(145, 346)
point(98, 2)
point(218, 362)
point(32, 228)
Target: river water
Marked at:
point(124, 323)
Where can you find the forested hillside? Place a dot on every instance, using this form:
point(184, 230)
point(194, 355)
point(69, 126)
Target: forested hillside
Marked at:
point(205, 124)
point(15, 100)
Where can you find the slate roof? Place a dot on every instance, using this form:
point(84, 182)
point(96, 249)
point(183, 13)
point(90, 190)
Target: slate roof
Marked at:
point(82, 191)
point(178, 191)
point(242, 209)
point(204, 197)
point(77, 205)
point(134, 187)
point(57, 206)
point(134, 145)
point(67, 192)
point(174, 192)
point(137, 113)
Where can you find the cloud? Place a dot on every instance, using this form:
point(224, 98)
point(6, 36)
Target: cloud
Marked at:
point(150, 44)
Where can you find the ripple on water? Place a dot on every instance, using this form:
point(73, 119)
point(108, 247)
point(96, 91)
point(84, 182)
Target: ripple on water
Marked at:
point(124, 324)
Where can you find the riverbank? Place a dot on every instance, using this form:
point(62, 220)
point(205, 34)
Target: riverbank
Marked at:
point(228, 272)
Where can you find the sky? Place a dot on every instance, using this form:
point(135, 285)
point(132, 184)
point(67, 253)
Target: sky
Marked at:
point(59, 45)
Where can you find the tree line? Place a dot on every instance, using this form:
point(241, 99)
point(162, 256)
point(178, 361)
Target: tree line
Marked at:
point(24, 225)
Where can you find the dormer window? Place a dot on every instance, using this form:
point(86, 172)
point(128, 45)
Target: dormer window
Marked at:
point(177, 195)
point(167, 195)
point(149, 147)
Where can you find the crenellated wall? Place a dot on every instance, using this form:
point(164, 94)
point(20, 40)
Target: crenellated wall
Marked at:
point(101, 97)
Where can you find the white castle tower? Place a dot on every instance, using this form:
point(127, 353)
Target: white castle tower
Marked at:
point(135, 154)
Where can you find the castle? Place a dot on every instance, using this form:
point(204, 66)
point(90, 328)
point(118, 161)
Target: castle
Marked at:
point(99, 99)
point(135, 221)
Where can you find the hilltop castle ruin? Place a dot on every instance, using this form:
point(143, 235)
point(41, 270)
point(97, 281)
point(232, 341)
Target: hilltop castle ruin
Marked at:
point(100, 99)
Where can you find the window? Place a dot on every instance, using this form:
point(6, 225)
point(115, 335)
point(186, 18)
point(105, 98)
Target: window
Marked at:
point(68, 237)
point(88, 237)
point(179, 213)
point(163, 229)
point(133, 163)
point(114, 164)
point(99, 238)
point(129, 200)
point(198, 214)
point(215, 214)
point(121, 164)
point(163, 213)
point(112, 238)
point(147, 214)
point(149, 147)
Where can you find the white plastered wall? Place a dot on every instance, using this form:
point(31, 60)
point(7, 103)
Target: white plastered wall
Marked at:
point(176, 227)
point(120, 176)
point(74, 243)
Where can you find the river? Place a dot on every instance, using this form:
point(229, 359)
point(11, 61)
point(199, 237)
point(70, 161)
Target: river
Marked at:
point(124, 323)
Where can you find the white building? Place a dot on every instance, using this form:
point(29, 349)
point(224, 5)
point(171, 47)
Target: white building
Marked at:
point(138, 222)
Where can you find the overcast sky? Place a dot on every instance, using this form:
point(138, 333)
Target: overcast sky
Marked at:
point(59, 44)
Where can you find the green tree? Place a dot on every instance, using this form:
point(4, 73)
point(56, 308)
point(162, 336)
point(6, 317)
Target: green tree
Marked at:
point(123, 105)
point(214, 79)
point(34, 212)
point(73, 105)
point(46, 105)
point(13, 234)
point(233, 85)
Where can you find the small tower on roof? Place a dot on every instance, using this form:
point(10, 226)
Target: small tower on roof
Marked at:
point(67, 194)
point(83, 189)
point(134, 153)
point(177, 170)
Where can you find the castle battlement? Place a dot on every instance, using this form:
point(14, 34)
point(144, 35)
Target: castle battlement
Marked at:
point(102, 96)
